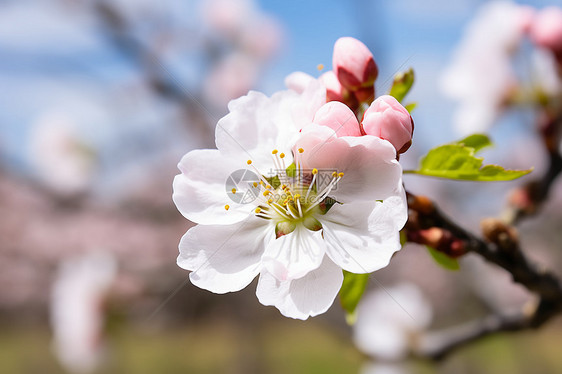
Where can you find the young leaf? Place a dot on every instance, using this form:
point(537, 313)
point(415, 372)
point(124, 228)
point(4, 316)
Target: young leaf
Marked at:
point(291, 170)
point(402, 84)
point(410, 107)
point(351, 291)
point(475, 141)
point(457, 161)
point(442, 259)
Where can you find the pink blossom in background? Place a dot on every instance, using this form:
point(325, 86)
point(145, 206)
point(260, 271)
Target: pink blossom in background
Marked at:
point(480, 75)
point(232, 77)
point(62, 161)
point(546, 29)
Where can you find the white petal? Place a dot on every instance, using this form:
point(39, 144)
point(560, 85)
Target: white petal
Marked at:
point(369, 164)
point(294, 255)
point(200, 191)
point(255, 126)
point(298, 81)
point(224, 258)
point(305, 297)
point(360, 237)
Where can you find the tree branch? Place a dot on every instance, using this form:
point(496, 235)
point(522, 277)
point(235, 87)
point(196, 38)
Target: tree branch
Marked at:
point(501, 248)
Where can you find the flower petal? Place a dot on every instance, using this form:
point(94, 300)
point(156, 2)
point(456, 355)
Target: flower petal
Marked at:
point(200, 191)
point(294, 255)
point(305, 297)
point(360, 237)
point(224, 258)
point(339, 118)
point(369, 164)
point(298, 81)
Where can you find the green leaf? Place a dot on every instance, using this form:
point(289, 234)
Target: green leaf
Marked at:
point(457, 161)
point(442, 259)
point(403, 237)
point(351, 291)
point(402, 84)
point(475, 141)
point(410, 107)
point(273, 181)
point(291, 170)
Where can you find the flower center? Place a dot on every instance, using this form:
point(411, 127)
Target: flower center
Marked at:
point(292, 196)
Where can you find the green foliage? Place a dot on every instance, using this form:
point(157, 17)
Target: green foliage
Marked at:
point(475, 141)
point(291, 170)
point(457, 161)
point(402, 84)
point(410, 107)
point(273, 181)
point(442, 259)
point(351, 291)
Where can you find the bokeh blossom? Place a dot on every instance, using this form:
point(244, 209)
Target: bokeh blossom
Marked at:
point(389, 321)
point(77, 311)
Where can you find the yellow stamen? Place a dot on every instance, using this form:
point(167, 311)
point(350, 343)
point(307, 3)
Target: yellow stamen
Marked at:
point(265, 193)
point(282, 155)
point(255, 184)
point(269, 201)
point(274, 152)
point(257, 210)
point(334, 174)
point(320, 67)
point(227, 207)
point(234, 190)
point(340, 175)
point(314, 171)
point(301, 150)
point(268, 187)
point(249, 162)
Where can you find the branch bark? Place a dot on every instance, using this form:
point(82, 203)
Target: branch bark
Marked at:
point(507, 254)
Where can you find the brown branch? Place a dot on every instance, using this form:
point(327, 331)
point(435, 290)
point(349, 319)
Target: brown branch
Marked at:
point(438, 345)
point(501, 248)
point(527, 200)
point(536, 279)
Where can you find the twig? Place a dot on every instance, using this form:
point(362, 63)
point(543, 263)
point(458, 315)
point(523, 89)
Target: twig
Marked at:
point(502, 249)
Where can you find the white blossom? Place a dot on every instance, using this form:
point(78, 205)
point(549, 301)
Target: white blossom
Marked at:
point(389, 320)
point(290, 234)
point(480, 75)
point(77, 316)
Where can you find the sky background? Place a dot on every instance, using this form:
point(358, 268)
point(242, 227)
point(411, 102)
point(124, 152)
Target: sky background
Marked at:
point(55, 61)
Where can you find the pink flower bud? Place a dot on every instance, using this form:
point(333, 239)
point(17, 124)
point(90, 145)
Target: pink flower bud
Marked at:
point(389, 120)
point(339, 118)
point(546, 30)
point(354, 64)
point(365, 95)
point(335, 91)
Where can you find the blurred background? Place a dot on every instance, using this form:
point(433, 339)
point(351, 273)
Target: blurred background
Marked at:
point(99, 100)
